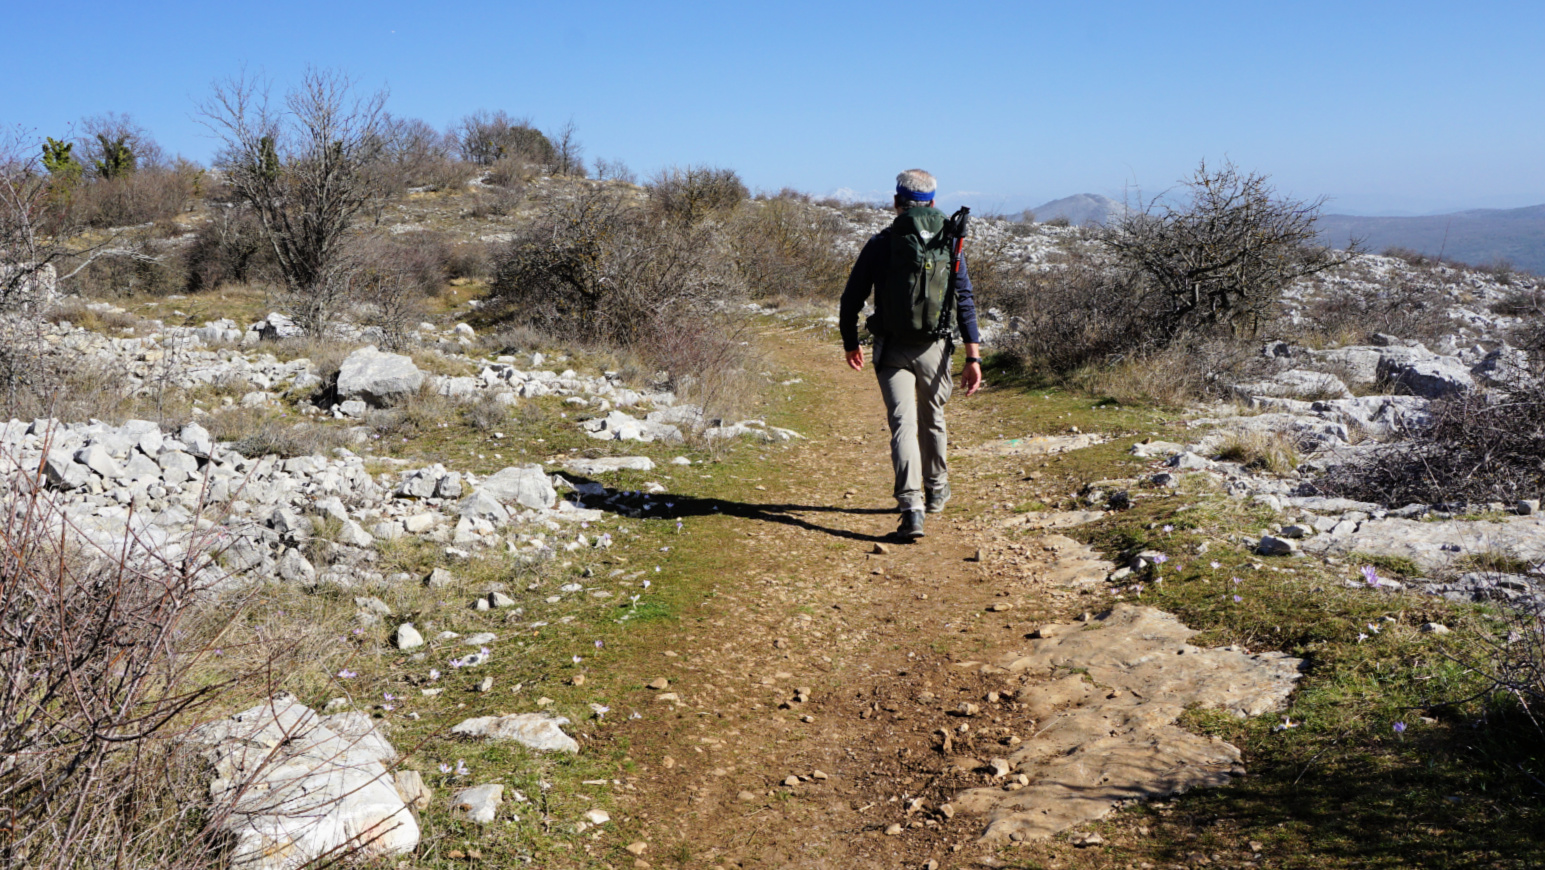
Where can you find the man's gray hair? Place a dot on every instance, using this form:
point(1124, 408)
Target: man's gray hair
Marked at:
point(918, 181)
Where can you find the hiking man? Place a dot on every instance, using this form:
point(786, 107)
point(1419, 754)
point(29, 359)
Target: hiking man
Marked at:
point(917, 278)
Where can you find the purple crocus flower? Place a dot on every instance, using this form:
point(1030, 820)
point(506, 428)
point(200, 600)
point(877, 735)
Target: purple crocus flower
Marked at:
point(1371, 575)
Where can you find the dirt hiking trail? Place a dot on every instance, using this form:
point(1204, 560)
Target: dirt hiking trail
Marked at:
point(841, 701)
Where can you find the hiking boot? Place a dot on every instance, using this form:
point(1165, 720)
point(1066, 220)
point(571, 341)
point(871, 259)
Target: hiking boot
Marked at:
point(911, 527)
point(937, 498)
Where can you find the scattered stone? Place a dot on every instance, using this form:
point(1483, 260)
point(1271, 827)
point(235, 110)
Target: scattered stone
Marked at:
point(659, 684)
point(791, 781)
point(881, 550)
point(303, 786)
point(1434, 628)
point(295, 568)
point(479, 803)
point(407, 637)
point(1435, 547)
point(597, 817)
point(1084, 841)
point(747, 797)
point(536, 730)
point(377, 378)
point(1055, 520)
point(412, 790)
point(1271, 545)
point(528, 486)
point(439, 578)
point(893, 830)
point(637, 848)
point(592, 467)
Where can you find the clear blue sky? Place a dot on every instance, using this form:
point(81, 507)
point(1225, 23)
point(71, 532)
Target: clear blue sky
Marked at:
point(1384, 107)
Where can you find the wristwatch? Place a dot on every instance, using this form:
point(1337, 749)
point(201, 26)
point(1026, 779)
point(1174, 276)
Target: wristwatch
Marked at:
point(973, 359)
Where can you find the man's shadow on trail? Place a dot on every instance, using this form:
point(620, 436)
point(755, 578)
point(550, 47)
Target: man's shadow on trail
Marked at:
point(667, 505)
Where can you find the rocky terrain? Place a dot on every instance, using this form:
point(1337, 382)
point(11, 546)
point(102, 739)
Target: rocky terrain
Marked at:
point(1058, 714)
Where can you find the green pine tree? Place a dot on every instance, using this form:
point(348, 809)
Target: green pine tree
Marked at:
point(268, 160)
point(117, 157)
point(59, 161)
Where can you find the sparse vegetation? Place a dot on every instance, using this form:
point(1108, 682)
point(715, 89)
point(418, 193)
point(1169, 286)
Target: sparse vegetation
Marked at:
point(1271, 452)
point(1474, 450)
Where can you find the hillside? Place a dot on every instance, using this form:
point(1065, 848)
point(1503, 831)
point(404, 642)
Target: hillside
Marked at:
point(1479, 236)
point(1079, 209)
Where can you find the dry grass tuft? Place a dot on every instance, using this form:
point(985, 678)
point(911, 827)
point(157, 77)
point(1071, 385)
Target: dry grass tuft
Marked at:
point(1271, 452)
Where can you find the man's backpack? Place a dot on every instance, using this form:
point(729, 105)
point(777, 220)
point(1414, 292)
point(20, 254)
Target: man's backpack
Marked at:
point(912, 304)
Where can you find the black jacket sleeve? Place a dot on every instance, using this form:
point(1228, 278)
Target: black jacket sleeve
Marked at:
point(965, 306)
point(867, 270)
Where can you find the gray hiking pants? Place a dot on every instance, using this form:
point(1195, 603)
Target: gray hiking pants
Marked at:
point(915, 382)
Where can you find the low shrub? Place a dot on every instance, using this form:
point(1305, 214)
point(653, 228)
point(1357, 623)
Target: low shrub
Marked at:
point(689, 194)
point(392, 276)
point(229, 248)
point(596, 268)
point(155, 193)
point(255, 432)
point(1076, 314)
point(786, 245)
point(38, 379)
point(1475, 449)
point(1347, 308)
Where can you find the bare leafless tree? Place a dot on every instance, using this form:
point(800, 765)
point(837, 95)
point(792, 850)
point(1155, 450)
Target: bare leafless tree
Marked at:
point(485, 138)
point(306, 170)
point(568, 153)
point(1223, 257)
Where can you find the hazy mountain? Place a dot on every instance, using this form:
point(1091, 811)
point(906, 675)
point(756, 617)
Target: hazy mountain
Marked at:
point(1080, 209)
point(1479, 236)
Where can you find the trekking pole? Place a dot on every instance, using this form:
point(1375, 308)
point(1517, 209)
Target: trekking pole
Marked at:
point(960, 225)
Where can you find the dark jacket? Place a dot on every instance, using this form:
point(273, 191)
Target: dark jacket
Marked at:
point(869, 273)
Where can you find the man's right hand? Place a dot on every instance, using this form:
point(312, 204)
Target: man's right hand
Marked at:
point(856, 360)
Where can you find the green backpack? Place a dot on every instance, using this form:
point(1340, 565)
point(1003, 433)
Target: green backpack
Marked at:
point(913, 304)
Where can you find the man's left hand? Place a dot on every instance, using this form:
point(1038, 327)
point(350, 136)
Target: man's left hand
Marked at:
point(971, 378)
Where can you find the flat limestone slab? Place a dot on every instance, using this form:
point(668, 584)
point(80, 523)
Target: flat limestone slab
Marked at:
point(1036, 445)
point(1107, 735)
point(1437, 545)
point(1052, 520)
point(1073, 563)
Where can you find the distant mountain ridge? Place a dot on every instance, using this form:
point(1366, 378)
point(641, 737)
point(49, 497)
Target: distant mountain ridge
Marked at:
point(1480, 236)
point(1080, 209)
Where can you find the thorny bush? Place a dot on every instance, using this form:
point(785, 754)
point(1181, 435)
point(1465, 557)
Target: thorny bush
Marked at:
point(1475, 448)
point(104, 654)
point(598, 268)
point(787, 245)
